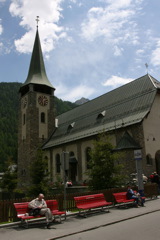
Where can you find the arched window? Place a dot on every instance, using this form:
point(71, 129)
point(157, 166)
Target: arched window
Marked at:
point(58, 163)
point(42, 117)
point(88, 157)
point(46, 159)
point(71, 154)
point(24, 119)
point(149, 159)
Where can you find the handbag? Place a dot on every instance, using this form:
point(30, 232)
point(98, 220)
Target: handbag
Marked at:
point(34, 212)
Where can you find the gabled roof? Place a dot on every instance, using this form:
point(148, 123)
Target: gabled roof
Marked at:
point(124, 106)
point(127, 142)
point(37, 73)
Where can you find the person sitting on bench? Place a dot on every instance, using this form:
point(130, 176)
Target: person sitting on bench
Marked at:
point(40, 204)
point(132, 195)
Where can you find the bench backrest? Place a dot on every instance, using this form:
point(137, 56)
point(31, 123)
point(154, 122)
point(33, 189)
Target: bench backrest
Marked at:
point(89, 198)
point(120, 195)
point(21, 208)
point(52, 204)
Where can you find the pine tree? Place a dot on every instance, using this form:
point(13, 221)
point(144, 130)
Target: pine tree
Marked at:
point(39, 175)
point(105, 170)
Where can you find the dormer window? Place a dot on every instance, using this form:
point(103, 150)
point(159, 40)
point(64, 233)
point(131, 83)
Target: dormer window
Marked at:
point(101, 115)
point(70, 127)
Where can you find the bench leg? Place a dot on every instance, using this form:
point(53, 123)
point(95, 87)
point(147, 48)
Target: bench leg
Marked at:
point(107, 209)
point(84, 213)
point(24, 223)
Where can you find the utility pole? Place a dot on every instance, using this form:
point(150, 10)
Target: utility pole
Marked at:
point(138, 159)
point(65, 167)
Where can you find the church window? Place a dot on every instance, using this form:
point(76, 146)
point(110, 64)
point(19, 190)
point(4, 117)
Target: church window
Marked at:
point(42, 117)
point(46, 159)
point(24, 119)
point(88, 157)
point(149, 159)
point(58, 163)
point(23, 172)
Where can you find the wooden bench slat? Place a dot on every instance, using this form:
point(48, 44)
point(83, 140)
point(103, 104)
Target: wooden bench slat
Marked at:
point(23, 211)
point(121, 198)
point(91, 201)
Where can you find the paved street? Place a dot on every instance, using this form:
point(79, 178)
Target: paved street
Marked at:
point(117, 224)
point(144, 227)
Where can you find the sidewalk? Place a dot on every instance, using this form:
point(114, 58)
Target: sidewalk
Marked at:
point(76, 224)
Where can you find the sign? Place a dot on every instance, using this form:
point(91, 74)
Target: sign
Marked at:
point(137, 154)
point(65, 161)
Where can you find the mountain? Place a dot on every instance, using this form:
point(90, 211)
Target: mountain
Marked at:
point(81, 101)
point(9, 120)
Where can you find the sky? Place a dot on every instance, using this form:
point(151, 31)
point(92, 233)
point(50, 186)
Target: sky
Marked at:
point(90, 47)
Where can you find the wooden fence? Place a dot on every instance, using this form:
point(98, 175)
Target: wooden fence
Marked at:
point(8, 213)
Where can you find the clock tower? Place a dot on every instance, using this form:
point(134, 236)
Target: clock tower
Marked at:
point(36, 113)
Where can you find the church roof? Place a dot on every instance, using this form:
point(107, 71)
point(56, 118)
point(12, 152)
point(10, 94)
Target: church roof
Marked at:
point(124, 106)
point(37, 73)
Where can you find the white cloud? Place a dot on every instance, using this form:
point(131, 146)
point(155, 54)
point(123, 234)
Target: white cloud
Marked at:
point(155, 57)
point(119, 3)
point(1, 28)
point(116, 81)
point(118, 51)
point(140, 52)
point(73, 1)
point(115, 22)
point(49, 13)
point(74, 93)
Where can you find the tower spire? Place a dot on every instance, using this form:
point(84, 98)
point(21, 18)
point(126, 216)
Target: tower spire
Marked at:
point(37, 73)
point(37, 20)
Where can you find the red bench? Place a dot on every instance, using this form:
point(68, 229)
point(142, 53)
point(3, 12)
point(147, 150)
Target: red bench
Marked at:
point(122, 200)
point(91, 201)
point(53, 205)
point(23, 211)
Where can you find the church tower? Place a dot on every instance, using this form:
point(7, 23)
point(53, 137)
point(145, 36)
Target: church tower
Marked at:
point(36, 113)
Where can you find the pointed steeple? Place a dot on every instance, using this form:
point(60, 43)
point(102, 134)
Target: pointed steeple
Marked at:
point(37, 73)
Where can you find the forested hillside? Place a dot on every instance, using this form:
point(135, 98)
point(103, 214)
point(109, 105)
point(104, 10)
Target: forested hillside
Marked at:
point(9, 121)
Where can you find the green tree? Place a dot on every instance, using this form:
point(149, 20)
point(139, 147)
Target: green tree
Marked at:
point(39, 175)
point(105, 170)
point(9, 179)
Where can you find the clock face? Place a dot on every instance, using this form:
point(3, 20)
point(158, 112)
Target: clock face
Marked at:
point(43, 100)
point(24, 102)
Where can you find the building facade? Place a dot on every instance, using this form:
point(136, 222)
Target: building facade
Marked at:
point(132, 109)
point(130, 115)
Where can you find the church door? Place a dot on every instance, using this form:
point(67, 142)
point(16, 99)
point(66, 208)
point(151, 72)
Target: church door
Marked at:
point(157, 160)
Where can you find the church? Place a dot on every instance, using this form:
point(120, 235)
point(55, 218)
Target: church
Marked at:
point(130, 115)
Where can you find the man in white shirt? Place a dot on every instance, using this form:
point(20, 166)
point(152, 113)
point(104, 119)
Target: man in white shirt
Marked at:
point(40, 203)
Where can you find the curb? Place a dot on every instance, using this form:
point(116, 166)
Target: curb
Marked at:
point(102, 225)
point(5, 225)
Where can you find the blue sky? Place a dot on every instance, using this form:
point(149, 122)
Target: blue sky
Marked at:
point(90, 46)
